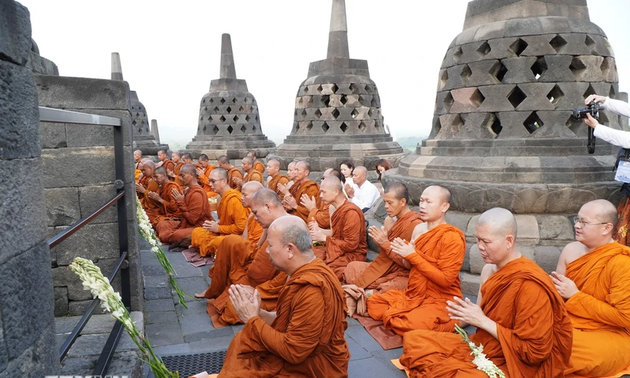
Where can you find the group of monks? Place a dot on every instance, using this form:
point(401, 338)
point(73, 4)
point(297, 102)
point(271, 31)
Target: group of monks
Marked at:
point(288, 251)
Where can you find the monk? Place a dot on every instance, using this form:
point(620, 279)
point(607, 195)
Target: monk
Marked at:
point(274, 177)
point(434, 257)
point(178, 163)
point(241, 262)
point(167, 205)
point(193, 205)
point(301, 185)
point(232, 216)
point(521, 322)
point(347, 241)
point(257, 165)
point(187, 158)
point(283, 190)
point(250, 174)
point(321, 213)
point(164, 161)
point(147, 184)
point(305, 336)
point(203, 175)
point(234, 174)
point(593, 276)
point(388, 270)
point(137, 157)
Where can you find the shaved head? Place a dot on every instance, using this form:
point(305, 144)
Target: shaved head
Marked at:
point(252, 186)
point(399, 190)
point(333, 183)
point(148, 163)
point(445, 194)
point(361, 169)
point(160, 171)
point(294, 231)
point(248, 159)
point(603, 210)
point(292, 164)
point(273, 162)
point(203, 157)
point(223, 159)
point(189, 168)
point(220, 173)
point(501, 221)
point(266, 196)
point(303, 164)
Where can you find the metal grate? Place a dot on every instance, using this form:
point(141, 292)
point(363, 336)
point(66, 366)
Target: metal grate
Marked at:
point(190, 364)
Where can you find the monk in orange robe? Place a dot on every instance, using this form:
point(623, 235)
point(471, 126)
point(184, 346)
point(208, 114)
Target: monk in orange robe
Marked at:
point(301, 186)
point(305, 336)
point(164, 161)
point(144, 186)
point(521, 322)
point(239, 261)
point(232, 216)
point(593, 276)
point(193, 206)
point(203, 175)
point(435, 258)
point(274, 177)
point(137, 156)
point(234, 174)
point(388, 270)
point(256, 164)
point(168, 206)
point(250, 173)
point(174, 174)
point(347, 239)
point(321, 213)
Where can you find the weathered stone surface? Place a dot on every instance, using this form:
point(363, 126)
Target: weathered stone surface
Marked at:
point(93, 197)
point(555, 227)
point(476, 262)
point(53, 135)
point(81, 93)
point(547, 257)
point(62, 168)
point(98, 241)
point(15, 32)
point(61, 301)
point(469, 283)
point(38, 360)
point(62, 206)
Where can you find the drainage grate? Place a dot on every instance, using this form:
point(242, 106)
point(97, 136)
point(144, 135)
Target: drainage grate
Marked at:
point(190, 364)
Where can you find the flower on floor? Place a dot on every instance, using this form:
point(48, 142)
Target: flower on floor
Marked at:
point(147, 233)
point(482, 362)
point(100, 287)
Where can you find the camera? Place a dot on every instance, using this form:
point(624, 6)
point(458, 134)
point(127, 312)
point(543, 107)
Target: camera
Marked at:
point(593, 110)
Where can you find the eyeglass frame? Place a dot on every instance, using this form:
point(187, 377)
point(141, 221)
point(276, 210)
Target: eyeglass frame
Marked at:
point(577, 220)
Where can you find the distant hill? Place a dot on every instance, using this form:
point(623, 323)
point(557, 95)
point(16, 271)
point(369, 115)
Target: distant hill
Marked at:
point(409, 143)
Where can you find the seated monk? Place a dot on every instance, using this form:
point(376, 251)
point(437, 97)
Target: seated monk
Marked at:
point(234, 174)
point(321, 213)
point(144, 186)
point(256, 164)
point(283, 190)
point(164, 161)
point(434, 257)
point(274, 177)
point(137, 156)
point(187, 158)
point(168, 206)
point(347, 241)
point(232, 216)
point(301, 185)
point(240, 262)
point(305, 336)
point(521, 323)
point(203, 175)
point(193, 205)
point(388, 270)
point(174, 174)
point(250, 173)
point(593, 276)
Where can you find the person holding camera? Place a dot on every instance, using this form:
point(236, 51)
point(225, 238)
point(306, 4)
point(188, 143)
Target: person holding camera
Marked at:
point(618, 138)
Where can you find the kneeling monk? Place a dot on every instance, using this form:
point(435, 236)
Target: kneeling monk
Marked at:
point(305, 336)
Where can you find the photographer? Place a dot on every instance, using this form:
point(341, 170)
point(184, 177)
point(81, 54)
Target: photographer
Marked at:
point(618, 138)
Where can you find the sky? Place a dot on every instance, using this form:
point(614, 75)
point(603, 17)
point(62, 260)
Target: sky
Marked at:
point(170, 51)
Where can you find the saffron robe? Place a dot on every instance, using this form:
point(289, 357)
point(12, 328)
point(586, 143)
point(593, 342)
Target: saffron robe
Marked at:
point(306, 339)
point(234, 172)
point(168, 165)
point(433, 279)
point(232, 220)
point(387, 271)
point(533, 328)
point(194, 210)
point(260, 167)
point(152, 207)
point(321, 215)
point(176, 169)
point(348, 241)
point(275, 180)
point(169, 206)
point(253, 175)
point(204, 181)
point(311, 189)
point(600, 311)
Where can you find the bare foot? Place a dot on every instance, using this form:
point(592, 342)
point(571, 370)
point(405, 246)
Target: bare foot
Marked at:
point(200, 295)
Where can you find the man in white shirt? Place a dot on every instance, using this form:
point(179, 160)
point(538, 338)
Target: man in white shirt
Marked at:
point(616, 137)
point(363, 193)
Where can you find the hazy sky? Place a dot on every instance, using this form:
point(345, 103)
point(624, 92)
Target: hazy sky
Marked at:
point(171, 50)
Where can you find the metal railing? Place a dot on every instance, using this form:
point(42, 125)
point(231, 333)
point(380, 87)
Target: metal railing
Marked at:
point(65, 116)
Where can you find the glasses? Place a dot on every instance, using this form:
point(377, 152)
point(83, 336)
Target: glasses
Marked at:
point(577, 220)
point(212, 181)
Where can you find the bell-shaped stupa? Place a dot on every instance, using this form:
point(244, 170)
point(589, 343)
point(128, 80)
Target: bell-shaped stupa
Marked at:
point(338, 109)
point(229, 122)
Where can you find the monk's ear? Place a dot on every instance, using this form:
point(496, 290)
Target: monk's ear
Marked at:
point(445, 207)
point(509, 241)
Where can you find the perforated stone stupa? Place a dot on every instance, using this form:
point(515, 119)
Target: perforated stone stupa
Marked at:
point(338, 108)
point(228, 115)
point(502, 132)
point(143, 139)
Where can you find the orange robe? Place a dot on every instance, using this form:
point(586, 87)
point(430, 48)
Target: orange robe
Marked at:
point(168, 165)
point(204, 181)
point(433, 279)
point(253, 175)
point(260, 167)
point(348, 240)
point(153, 208)
point(321, 215)
point(232, 220)
point(534, 331)
point(306, 339)
point(387, 271)
point(194, 210)
point(311, 189)
point(234, 172)
point(169, 206)
point(176, 169)
point(275, 180)
point(600, 311)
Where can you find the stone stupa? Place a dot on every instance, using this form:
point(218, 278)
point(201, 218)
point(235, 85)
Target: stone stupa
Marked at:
point(143, 138)
point(229, 122)
point(502, 132)
point(338, 109)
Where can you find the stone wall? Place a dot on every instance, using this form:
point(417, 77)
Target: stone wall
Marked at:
point(26, 304)
point(78, 178)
